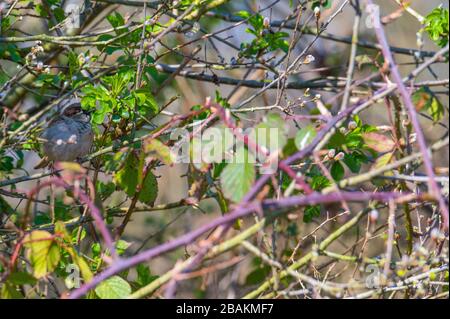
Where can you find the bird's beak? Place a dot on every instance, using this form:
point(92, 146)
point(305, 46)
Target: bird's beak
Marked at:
point(88, 112)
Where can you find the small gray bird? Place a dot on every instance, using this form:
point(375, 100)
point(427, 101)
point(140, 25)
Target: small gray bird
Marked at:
point(69, 136)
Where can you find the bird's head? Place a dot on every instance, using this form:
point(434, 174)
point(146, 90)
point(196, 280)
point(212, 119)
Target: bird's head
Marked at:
point(73, 110)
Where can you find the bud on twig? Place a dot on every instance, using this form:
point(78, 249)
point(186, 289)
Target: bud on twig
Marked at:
point(317, 12)
point(331, 153)
point(308, 59)
point(373, 216)
point(339, 156)
point(352, 125)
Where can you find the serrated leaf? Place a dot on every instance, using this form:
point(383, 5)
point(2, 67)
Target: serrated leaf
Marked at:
point(149, 190)
point(421, 98)
point(270, 133)
point(436, 110)
point(243, 14)
point(337, 171)
point(237, 177)
point(42, 252)
point(113, 288)
point(424, 99)
point(155, 148)
point(378, 142)
point(9, 291)
point(121, 246)
point(311, 212)
point(305, 136)
point(127, 179)
point(363, 59)
point(319, 182)
point(61, 231)
point(146, 102)
point(144, 276)
point(337, 140)
point(21, 278)
point(352, 162)
point(104, 190)
point(257, 275)
point(383, 161)
point(83, 266)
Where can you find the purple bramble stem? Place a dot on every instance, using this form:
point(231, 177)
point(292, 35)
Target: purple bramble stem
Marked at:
point(433, 186)
point(242, 211)
point(94, 212)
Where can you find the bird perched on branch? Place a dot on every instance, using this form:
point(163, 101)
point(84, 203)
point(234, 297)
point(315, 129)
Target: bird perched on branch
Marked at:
point(69, 136)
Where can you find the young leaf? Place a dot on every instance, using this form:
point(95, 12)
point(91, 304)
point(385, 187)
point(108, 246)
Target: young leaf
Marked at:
point(383, 161)
point(10, 291)
point(424, 99)
point(311, 212)
point(113, 288)
point(237, 177)
point(21, 278)
point(257, 275)
point(336, 141)
point(127, 179)
point(121, 246)
point(305, 136)
point(319, 182)
point(154, 147)
point(270, 133)
point(144, 276)
point(352, 162)
point(378, 142)
point(436, 24)
point(436, 110)
point(337, 171)
point(42, 252)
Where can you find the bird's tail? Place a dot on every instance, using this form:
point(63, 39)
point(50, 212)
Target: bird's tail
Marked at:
point(44, 162)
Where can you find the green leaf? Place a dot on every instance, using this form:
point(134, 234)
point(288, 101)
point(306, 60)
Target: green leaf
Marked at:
point(243, 14)
point(336, 141)
point(353, 140)
point(104, 190)
point(290, 148)
point(42, 252)
point(127, 179)
point(149, 190)
point(121, 246)
point(257, 275)
point(144, 276)
point(116, 20)
point(337, 171)
point(155, 148)
point(146, 102)
point(21, 278)
point(113, 288)
point(378, 142)
point(324, 3)
point(5, 207)
point(237, 177)
point(319, 182)
point(383, 161)
point(425, 99)
point(352, 162)
point(436, 110)
point(6, 163)
point(270, 133)
point(310, 213)
point(305, 136)
point(9, 291)
point(436, 24)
